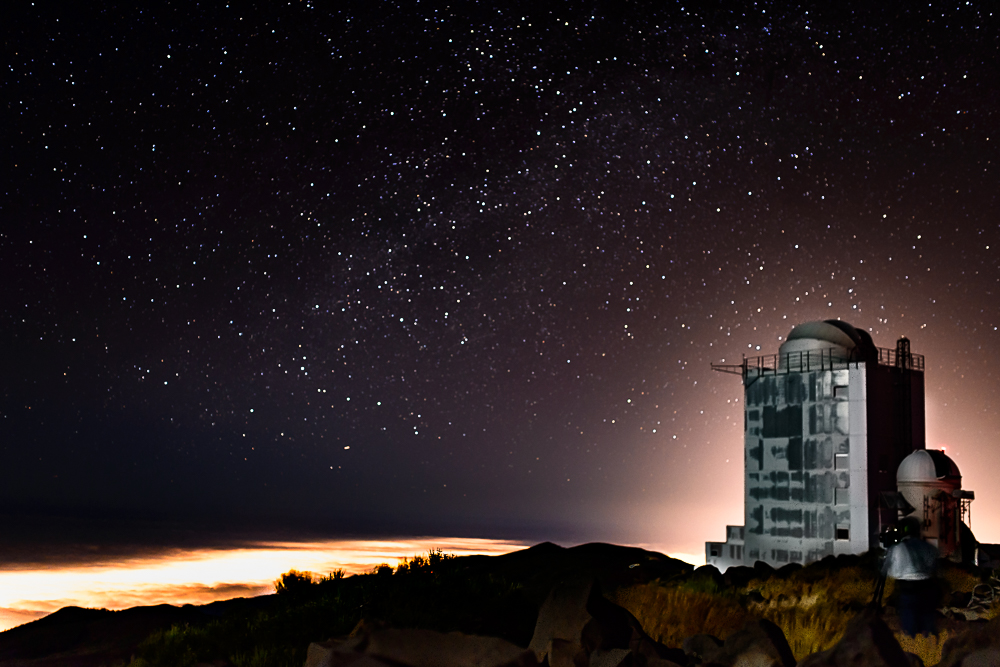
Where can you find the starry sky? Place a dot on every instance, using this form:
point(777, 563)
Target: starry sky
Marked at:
point(454, 269)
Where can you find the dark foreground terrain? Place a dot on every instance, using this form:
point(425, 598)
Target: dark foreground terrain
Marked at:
point(595, 604)
point(494, 595)
point(86, 637)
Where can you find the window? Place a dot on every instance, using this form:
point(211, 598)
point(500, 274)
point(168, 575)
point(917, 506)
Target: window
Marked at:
point(841, 392)
point(841, 461)
point(841, 496)
point(843, 533)
point(714, 551)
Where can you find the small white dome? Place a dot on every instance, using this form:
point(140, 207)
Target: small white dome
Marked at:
point(927, 465)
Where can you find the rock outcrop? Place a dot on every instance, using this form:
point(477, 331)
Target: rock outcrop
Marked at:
point(564, 618)
point(758, 644)
point(577, 623)
point(576, 626)
point(418, 648)
point(978, 646)
point(867, 641)
point(702, 647)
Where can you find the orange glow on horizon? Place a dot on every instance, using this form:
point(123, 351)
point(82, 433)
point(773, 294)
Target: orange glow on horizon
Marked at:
point(201, 576)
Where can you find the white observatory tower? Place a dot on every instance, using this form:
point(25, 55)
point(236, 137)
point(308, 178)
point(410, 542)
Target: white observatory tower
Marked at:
point(828, 420)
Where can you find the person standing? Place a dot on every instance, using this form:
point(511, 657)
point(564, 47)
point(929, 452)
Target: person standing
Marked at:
point(911, 563)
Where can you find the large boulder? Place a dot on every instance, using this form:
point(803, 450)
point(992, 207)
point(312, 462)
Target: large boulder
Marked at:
point(565, 653)
point(763, 570)
point(325, 654)
point(576, 623)
point(702, 647)
point(786, 571)
point(645, 648)
point(984, 657)
point(759, 643)
point(867, 642)
point(978, 646)
point(577, 612)
point(616, 657)
point(739, 576)
point(427, 648)
point(419, 648)
point(564, 616)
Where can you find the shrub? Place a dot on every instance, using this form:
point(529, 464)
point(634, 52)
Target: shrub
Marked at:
point(423, 564)
point(432, 595)
point(293, 582)
point(382, 569)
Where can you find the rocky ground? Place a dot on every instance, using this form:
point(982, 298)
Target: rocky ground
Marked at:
point(597, 605)
point(578, 626)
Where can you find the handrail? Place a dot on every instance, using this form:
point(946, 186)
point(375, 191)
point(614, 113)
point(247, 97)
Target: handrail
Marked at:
point(820, 360)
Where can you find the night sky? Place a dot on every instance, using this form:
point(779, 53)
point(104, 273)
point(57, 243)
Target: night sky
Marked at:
point(447, 269)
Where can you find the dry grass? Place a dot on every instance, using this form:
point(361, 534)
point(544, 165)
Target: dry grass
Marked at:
point(670, 614)
point(810, 629)
point(957, 579)
point(928, 648)
point(812, 608)
point(849, 585)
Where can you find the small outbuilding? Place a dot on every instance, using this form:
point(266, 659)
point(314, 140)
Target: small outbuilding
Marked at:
point(931, 484)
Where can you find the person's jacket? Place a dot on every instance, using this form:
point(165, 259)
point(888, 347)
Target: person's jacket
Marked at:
point(911, 560)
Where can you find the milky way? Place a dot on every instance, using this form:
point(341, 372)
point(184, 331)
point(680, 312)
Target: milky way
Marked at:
point(426, 267)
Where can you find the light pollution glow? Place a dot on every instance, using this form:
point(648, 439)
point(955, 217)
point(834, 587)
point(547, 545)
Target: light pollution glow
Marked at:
point(202, 576)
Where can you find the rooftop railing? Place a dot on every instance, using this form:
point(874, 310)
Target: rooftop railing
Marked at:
point(821, 360)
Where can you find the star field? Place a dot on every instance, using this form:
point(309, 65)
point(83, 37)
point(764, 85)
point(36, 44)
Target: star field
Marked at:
point(428, 267)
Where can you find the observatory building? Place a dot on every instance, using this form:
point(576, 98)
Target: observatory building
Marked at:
point(827, 423)
point(930, 488)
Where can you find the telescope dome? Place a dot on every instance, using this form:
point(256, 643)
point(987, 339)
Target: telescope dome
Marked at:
point(833, 337)
point(927, 465)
